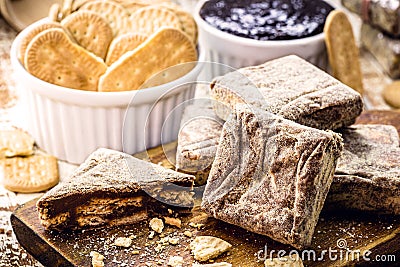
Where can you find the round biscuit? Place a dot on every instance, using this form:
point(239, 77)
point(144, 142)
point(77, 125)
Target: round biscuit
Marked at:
point(28, 36)
point(391, 94)
point(115, 14)
point(148, 20)
point(189, 25)
point(30, 174)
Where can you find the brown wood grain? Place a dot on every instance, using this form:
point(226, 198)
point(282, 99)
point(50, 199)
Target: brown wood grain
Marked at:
point(361, 232)
point(390, 117)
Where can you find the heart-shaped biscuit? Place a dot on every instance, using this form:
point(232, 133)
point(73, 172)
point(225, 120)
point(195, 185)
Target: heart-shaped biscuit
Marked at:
point(90, 30)
point(54, 58)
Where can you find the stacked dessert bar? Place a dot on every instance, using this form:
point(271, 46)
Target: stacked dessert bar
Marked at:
point(288, 148)
point(274, 145)
point(380, 31)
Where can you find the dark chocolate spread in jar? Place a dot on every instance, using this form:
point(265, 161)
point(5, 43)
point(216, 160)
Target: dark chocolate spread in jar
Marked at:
point(267, 19)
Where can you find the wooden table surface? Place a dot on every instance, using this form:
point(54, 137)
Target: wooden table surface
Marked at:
point(11, 254)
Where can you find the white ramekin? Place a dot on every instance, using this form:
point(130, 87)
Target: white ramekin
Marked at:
point(188, 5)
point(237, 52)
point(70, 124)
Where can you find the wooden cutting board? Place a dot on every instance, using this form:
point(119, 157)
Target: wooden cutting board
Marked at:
point(356, 232)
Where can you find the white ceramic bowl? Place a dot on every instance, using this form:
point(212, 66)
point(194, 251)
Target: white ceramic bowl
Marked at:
point(237, 52)
point(71, 124)
point(188, 5)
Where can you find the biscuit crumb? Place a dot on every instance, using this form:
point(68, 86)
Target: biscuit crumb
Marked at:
point(151, 235)
point(123, 242)
point(159, 248)
point(208, 247)
point(196, 225)
point(175, 261)
point(97, 259)
point(135, 252)
point(173, 221)
point(219, 264)
point(291, 260)
point(188, 233)
point(157, 225)
point(173, 240)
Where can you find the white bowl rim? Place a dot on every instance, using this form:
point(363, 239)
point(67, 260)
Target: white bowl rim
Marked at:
point(252, 42)
point(101, 99)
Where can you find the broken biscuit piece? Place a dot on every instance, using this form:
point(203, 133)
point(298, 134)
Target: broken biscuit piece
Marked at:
point(123, 242)
point(288, 261)
point(217, 264)
point(157, 225)
point(173, 221)
point(175, 261)
point(205, 248)
point(97, 259)
point(15, 142)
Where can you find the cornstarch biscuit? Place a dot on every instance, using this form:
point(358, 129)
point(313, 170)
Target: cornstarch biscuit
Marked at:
point(54, 12)
point(367, 176)
point(54, 58)
point(188, 23)
point(391, 94)
point(277, 177)
point(30, 174)
point(105, 191)
point(116, 15)
point(66, 8)
point(292, 88)
point(342, 50)
point(76, 4)
point(148, 20)
point(90, 30)
point(132, 6)
point(39, 27)
point(122, 44)
point(153, 56)
point(15, 142)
